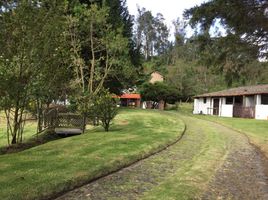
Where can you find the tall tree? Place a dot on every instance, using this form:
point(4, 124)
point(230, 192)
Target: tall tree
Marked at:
point(247, 19)
point(245, 40)
point(29, 46)
point(151, 33)
point(117, 17)
point(97, 50)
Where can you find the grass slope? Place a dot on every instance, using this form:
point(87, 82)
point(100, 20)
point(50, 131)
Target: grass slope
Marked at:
point(57, 166)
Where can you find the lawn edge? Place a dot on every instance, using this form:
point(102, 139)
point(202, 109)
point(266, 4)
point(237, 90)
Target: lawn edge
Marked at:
point(257, 147)
point(139, 159)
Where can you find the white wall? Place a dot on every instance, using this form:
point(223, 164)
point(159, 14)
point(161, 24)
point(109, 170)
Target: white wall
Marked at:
point(261, 112)
point(196, 106)
point(227, 110)
point(201, 107)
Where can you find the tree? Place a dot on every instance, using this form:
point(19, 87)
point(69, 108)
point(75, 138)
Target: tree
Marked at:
point(28, 51)
point(117, 17)
point(97, 50)
point(159, 92)
point(105, 108)
point(247, 19)
point(161, 43)
point(151, 33)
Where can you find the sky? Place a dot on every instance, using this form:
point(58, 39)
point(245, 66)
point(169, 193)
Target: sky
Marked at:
point(171, 9)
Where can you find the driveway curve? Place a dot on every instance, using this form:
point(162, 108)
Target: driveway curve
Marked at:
point(209, 162)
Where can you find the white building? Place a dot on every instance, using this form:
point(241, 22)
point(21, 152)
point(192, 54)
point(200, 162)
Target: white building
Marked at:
point(246, 102)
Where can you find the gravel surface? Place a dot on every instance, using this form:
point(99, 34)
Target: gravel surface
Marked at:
point(243, 175)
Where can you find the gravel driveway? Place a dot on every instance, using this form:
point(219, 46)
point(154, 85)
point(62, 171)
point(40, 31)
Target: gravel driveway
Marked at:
point(243, 175)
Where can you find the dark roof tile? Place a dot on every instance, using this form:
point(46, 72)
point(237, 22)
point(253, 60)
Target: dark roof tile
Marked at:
point(239, 91)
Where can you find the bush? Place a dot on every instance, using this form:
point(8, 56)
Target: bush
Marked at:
point(105, 108)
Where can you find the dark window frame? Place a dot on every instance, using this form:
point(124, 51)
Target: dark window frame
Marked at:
point(264, 99)
point(204, 100)
point(238, 100)
point(229, 100)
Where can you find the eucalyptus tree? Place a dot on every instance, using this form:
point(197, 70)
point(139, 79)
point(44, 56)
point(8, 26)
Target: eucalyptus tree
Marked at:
point(151, 33)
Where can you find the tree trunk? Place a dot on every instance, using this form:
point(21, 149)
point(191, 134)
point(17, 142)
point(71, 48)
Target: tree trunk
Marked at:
point(15, 126)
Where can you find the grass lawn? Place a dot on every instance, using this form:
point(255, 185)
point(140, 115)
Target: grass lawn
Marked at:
point(29, 131)
point(202, 151)
point(182, 171)
point(256, 130)
point(60, 165)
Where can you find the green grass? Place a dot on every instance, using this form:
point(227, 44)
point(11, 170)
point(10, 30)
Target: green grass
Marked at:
point(185, 108)
point(256, 130)
point(29, 131)
point(204, 148)
point(57, 166)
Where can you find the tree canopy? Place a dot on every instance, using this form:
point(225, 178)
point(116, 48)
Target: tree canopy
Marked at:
point(248, 19)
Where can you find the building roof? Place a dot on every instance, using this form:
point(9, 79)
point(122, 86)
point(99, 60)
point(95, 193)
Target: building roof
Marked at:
point(129, 96)
point(239, 91)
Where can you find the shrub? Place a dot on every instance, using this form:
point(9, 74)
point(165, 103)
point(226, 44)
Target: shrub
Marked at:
point(105, 108)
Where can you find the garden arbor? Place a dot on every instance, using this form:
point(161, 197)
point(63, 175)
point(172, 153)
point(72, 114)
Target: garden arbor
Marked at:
point(64, 123)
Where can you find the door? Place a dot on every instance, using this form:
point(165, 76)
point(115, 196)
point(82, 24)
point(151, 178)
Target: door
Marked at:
point(216, 104)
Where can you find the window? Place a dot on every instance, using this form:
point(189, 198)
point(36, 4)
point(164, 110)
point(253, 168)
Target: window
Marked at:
point(239, 100)
point(229, 100)
point(205, 100)
point(264, 99)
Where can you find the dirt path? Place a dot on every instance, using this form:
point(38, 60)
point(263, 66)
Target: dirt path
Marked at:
point(241, 176)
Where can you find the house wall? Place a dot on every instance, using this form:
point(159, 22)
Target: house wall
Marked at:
point(226, 110)
point(196, 106)
point(202, 108)
point(261, 112)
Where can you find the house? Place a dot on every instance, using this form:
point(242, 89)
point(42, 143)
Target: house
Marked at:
point(246, 102)
point(156, 77)
point(130, 100)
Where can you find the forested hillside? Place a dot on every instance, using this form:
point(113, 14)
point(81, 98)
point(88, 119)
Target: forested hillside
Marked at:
point(209, 60)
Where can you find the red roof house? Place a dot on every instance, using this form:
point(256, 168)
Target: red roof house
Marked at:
point(130, 100)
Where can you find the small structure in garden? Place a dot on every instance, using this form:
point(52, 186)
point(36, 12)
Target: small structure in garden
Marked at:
point(245, 102)
point(64, 123)
point(130, 100)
